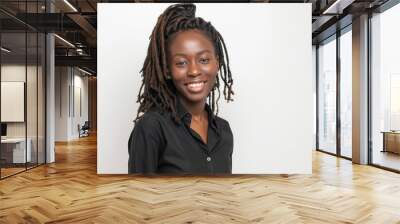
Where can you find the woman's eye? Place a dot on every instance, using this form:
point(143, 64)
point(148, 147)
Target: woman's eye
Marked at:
point(180, 63)
point(204, 60)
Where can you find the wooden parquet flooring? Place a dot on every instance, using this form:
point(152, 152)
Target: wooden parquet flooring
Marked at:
point(70, 191)
point(10, 171)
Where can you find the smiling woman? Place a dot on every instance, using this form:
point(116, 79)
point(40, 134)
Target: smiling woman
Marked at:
point(176, 130)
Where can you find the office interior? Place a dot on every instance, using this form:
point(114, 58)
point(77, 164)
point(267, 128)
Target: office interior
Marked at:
point(48, 84)
point(47, 81)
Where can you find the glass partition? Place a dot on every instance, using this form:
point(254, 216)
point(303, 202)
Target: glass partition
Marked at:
point(13, 95)
point(22, 77)
point(31, 100)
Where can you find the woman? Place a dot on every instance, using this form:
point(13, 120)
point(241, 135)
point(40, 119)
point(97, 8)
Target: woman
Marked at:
point(175, 130)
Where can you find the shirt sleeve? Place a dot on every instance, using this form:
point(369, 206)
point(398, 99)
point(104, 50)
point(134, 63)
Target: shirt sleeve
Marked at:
point(145, 145)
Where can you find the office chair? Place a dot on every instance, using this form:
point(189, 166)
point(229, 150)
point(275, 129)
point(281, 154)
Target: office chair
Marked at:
point(84, 130)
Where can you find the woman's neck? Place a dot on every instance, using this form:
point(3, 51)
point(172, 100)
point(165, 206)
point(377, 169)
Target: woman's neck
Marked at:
point(195, 109)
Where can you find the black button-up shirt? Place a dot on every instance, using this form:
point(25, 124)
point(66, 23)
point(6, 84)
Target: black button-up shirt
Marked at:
point(158, 144)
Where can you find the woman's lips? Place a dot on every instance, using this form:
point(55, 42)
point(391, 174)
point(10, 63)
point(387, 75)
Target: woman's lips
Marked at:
point(196, 87)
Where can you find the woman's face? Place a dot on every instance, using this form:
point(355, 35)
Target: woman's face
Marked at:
point(193, 65)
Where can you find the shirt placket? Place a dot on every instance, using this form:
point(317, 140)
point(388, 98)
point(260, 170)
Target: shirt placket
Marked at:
point(209, 160)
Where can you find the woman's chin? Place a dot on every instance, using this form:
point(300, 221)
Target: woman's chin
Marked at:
point(195, 98)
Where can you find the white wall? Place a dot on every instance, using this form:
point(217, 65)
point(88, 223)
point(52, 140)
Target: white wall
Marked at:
point(61, 103)
point(314, 86)
point(68, 80)
point(270, 55)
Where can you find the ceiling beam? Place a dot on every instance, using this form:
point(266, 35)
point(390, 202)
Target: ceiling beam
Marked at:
point(85, 25)
point(321, 20)
point(337, 6)
point(85, 61)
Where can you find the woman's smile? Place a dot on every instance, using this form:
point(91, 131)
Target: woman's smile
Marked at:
point(196, 86)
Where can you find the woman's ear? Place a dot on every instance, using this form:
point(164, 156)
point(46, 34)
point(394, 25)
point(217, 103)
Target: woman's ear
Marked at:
point(168, 75)
point(217, 59)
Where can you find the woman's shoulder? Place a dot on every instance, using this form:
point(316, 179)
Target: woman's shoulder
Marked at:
point(150, 117)
point(222, 122)
point(149, 124)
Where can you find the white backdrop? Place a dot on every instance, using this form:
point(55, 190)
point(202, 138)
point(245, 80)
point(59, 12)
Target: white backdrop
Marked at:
point(269, 46)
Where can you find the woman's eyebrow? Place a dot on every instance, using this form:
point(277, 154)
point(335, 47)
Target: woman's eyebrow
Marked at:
point(179, 54)
point(184, 55)
point(204, 51)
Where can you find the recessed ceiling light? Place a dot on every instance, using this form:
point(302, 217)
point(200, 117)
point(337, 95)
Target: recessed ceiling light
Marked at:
point(64, 40)
point(70, 5)
point(5, 50)
point(337, 7)
point(84, 71)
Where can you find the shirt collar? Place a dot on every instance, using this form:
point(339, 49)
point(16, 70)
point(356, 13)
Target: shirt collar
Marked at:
point(186, 117)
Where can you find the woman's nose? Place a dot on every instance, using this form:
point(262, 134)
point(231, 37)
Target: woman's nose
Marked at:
point(193, 69)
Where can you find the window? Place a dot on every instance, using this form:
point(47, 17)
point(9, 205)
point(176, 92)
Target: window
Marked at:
point(385, 89)
point(346, 94)
point(327, 96)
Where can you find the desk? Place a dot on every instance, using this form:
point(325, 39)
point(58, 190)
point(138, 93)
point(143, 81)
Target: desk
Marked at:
point(391, 141)
point(15, 148)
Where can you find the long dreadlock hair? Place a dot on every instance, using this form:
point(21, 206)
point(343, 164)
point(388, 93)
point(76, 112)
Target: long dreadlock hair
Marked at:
point(157, 90)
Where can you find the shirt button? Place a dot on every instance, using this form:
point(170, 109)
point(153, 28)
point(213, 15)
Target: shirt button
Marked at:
point(208, 159)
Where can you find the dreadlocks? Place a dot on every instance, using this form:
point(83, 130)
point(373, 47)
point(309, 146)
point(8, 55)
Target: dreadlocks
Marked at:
point(156, 89)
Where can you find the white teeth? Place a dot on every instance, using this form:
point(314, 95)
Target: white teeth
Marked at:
point(195, 86)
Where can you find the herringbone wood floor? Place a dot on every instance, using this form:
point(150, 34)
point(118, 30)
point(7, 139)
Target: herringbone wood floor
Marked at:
point(70, 191)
